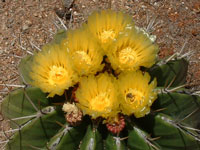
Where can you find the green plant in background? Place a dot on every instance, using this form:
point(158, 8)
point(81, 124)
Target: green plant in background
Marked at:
point(102, 87)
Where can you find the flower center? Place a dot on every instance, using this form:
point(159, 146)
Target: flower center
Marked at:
point(83, 57)
point(100, 102)
point(57, 74)
point(135, 97)
point(106, 35)
point(127, 56)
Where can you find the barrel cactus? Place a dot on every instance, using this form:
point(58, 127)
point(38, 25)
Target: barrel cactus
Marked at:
point(102, 87)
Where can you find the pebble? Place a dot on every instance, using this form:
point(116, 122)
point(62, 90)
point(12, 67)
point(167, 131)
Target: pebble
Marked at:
point(67, 3)
point(75, 13)
point(25, 27)
point(28, 22)
point(35, 14)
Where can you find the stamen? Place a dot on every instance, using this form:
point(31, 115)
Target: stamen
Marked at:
point(127, 56)
point(57, 74)
point(83, 57)
point(106, 35)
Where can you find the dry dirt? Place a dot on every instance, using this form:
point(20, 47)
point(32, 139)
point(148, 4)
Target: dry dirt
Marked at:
point(25, 23)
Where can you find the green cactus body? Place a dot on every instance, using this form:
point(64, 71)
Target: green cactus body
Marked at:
point(114, 143)
point(169, 127)
point(92, 140)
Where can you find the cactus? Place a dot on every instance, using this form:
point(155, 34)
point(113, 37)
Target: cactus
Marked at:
point(40, 123)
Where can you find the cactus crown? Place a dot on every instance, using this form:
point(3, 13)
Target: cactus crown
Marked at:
point(102, 87)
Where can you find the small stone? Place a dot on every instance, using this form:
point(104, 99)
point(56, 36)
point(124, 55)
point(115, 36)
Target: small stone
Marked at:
point(42, 9)
point(35, 14)
point(75, 13)
point(28, 22)
point(67, 3)
point(25, 27)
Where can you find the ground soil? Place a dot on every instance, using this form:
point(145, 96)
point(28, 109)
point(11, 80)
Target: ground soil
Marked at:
point(25, 23)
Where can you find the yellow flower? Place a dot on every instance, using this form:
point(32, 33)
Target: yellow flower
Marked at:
point(131, 51)
point(136, 93)
point(84, 51)
point(107, 24)
point(51, 71)
point(97, 96)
